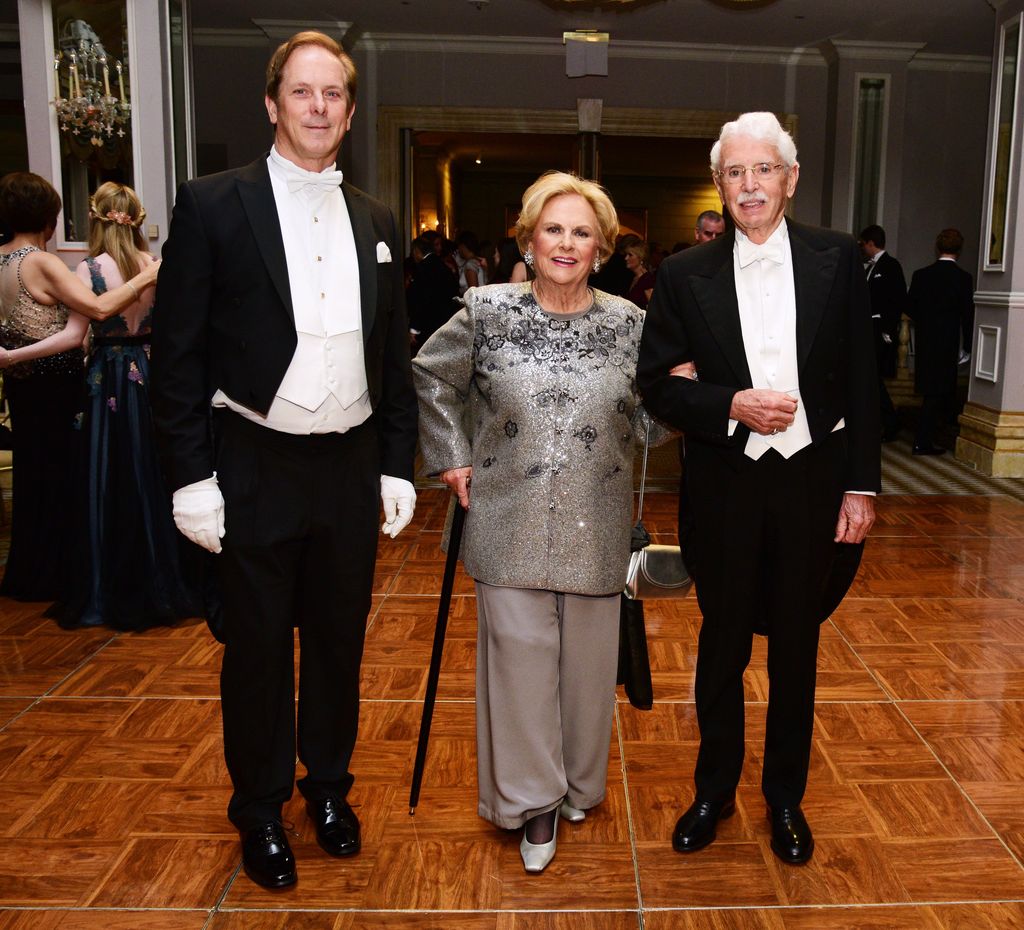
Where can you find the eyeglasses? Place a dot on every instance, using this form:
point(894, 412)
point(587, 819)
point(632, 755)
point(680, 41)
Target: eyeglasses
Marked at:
point(735, 174)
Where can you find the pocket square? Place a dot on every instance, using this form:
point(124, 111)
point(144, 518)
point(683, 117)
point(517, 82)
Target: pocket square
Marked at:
point(383, 252)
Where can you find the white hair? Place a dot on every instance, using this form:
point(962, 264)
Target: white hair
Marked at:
point(762, 127)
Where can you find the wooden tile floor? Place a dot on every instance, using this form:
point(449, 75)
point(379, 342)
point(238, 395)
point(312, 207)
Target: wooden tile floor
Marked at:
point(113, 788)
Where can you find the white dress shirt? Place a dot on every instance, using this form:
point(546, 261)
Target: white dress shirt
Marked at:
point(869, 267)
point(324, 389)
point(766, 296)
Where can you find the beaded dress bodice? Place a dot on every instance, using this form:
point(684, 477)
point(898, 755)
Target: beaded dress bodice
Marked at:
point(23, 320)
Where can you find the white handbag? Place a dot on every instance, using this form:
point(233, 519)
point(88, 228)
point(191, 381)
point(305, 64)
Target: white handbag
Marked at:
point(654, 571)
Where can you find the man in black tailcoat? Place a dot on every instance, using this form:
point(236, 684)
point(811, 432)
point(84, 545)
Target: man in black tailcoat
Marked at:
point(431, 294)
point(782, 459)
point(285, 410)
point(887, 287)
point(941, 302)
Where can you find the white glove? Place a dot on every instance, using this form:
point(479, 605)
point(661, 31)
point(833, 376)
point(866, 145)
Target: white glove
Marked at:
point(399, 499)
point(199, 513)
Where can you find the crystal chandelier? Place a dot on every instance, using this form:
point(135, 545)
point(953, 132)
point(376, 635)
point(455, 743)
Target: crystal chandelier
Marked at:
point(89, 112)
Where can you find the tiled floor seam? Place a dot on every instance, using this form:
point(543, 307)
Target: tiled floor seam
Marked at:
point(837, 906)
point(963, 791)
point(223, 894)
point(896, 702)
point(37, 698)
point(629, 818)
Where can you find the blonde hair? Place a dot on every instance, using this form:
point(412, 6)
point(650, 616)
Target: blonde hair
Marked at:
point(115, 218)
point(640, 250)
point(554, 184)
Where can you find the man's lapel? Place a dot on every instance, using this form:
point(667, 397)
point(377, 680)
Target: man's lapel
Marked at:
point(366, 250)
point(257, 196)
point(814, 275)
point(714, 289)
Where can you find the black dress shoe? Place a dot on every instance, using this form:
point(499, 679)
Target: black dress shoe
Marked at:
point(791, 836)
point(696, 828)
point(928, 450)
point(266, 856)
point(337, 827)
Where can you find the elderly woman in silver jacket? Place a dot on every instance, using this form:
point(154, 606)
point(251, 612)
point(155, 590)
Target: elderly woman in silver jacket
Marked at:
point(529, 411)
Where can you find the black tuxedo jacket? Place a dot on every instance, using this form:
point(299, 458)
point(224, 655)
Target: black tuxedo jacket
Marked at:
point(694, 316)
point(224, 318)
point(431, 296)
point(941, 300)
point(888, 289)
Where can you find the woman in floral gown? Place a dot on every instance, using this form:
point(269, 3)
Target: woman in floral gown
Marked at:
point(129, 570)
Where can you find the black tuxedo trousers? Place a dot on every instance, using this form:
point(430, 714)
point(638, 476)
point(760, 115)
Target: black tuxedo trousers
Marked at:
point(763, 534)
point(299, 548)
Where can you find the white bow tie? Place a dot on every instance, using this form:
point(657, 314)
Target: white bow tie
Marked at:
point(750, 252)
point(324, 182)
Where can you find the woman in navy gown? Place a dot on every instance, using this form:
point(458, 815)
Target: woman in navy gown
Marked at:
point(129, 570)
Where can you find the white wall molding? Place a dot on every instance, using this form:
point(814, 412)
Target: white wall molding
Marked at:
point(1004, 300)
point(230, 38)
point(930, 61)
point(857, 50)
point(267, 31)
point(278, 30)
point(530, 45)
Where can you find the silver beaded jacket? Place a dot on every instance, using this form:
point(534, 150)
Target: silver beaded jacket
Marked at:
point(545, 408)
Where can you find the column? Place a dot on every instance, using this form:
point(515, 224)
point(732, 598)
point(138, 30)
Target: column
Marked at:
point(992, 423)
point(588, 112)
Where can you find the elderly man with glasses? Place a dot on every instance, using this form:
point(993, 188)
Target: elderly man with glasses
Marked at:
point(782, 460)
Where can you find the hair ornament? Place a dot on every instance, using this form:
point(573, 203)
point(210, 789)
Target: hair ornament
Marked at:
point(120, 217)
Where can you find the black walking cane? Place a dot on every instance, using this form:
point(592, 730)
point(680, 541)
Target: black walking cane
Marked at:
point(448, 582)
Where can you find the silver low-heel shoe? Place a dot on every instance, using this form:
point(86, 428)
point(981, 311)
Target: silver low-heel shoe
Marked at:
point(536, 858)
point(570, 813)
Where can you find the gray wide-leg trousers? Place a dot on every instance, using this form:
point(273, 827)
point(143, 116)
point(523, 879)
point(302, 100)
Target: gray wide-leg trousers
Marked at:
point(545, 695)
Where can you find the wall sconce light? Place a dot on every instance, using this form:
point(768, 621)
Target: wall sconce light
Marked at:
point(586, 52)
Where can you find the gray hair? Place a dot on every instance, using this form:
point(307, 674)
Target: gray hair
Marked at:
point(762, 127)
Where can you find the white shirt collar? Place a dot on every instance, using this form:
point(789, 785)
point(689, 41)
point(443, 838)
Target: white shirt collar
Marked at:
point(773, 249)
point(296, 177)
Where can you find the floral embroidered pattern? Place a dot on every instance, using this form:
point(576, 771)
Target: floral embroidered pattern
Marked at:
point(588, 436)
point(112, 404)
point(511, 429)
point(561, 342)
point(134, 374)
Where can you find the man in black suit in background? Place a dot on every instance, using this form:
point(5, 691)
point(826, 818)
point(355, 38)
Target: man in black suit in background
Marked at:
point(709, 226)
point(782, 458)
point(888, 289)
point(431, 294)
point(285, 410)
point(941, 303)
